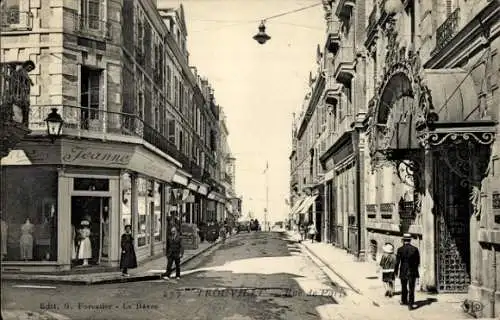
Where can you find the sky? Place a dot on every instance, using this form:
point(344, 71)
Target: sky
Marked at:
point(258, 86)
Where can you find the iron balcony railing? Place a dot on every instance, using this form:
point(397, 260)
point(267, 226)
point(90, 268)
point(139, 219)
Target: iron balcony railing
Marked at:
point(94, 123)
point(14, 20)
point(447, 30)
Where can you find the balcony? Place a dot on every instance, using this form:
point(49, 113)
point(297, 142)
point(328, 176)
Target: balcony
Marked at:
point(371, 30)
point(107, 125)
point(333, 90)
point(333, 37)
point(447, 31)
point(14, 20)
point(344, 8)
point(345, 64)
point(92, 26)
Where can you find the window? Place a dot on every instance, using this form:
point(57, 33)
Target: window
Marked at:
point(176, 92)
point(169, 83)
point(91, 14)
point(90, 184)
point(90, 96)
point(29, 213)
point(171, 131)
point(181, 142)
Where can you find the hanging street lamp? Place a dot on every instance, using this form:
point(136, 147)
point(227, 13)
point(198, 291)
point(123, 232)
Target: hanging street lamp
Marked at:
point(261, 37)
point(54, 124)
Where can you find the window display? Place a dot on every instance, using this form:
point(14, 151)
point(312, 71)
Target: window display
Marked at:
point(157, 211)
point(142, 221)
point(126, 201)
point(29, 214)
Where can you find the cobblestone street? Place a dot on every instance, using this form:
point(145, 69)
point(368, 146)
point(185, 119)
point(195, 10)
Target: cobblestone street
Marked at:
point(251, 276)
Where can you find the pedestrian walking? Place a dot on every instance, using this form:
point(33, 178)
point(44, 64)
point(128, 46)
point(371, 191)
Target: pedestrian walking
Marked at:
point(407, 263)
point(128, 260)
point(175, 251)
point(312, 232)
point(387, 263)
point(302, 230)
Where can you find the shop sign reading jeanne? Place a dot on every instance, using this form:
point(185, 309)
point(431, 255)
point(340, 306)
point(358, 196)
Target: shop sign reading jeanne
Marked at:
point(94, 156)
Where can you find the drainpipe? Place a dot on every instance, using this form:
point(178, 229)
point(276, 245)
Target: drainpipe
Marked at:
point(358, 191)
point(494, 269)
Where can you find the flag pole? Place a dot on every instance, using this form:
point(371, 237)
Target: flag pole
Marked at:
point(267, 195)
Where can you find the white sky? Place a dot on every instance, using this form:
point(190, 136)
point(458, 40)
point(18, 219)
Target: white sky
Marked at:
point(259, 86)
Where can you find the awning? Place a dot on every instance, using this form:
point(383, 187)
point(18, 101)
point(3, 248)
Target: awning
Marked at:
point(192, 186)
point(304, 208)
point(181, 178)
point(203, 190)
point(297, 205)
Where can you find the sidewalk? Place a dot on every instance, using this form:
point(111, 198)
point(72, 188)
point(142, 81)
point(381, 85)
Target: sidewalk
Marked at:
point(362, 277)
point(150, 270)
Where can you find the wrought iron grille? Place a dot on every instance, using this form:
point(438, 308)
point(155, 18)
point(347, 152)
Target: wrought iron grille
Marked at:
point(447, 30)
point(453, 213)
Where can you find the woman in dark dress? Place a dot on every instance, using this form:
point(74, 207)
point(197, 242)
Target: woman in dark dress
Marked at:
point(128, 259)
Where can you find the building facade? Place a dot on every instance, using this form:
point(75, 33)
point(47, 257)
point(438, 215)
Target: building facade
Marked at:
point(306, 183)
point(432, 126)
point(139, 141)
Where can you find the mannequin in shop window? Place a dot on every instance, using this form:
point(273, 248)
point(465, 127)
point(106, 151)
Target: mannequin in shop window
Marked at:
point(85, 246)
point(26, 240)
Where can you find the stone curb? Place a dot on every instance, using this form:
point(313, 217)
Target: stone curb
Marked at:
point(338, 274)
point(118, 278)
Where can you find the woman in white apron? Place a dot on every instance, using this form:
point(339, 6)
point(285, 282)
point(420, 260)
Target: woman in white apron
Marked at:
point(85, 247)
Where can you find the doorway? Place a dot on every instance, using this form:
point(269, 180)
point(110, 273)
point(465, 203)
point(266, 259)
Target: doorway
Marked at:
point(453, 212)
point(96, 211)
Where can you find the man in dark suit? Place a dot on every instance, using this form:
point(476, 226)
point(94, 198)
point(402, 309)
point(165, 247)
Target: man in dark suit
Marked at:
point(407, 263)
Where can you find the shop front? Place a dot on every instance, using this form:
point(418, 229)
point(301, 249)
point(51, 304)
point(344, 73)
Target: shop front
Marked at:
point(76, 198)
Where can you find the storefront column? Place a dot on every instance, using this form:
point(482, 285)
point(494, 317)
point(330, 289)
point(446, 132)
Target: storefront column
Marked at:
point(115, 233)
point(428, 223)
point(64, 220)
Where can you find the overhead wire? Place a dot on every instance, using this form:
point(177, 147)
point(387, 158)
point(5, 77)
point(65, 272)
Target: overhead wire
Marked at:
point(243, 22)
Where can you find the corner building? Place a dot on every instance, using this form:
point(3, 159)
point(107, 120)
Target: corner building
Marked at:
point(139, 140)
point(432, 124)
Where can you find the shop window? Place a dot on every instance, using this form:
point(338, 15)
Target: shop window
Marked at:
point(158, 230)
point(143, 230)
point(29, 214)
point(90, 184)
point(126, 201)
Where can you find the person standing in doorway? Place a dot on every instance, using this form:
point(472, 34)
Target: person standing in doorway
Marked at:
point(175, 251)
point(128, 260)
point(407, 263)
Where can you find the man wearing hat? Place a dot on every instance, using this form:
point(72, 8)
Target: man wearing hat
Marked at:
point(407, 263)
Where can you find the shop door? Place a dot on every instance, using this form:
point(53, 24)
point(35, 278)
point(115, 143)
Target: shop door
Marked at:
point(451, 199)
point(333, 216)
point(96, 211)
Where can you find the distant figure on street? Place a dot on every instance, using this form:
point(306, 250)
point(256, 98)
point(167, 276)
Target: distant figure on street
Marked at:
point(302, 230)
point(128, 259)
point(387, 263)
point(175, 251)
point(407, 263)
point(312, 232)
